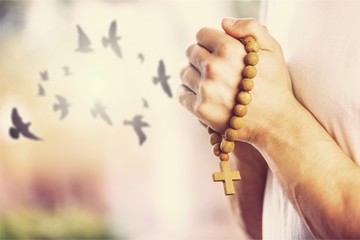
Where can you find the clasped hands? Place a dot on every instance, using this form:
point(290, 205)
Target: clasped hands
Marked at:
point(211, 80)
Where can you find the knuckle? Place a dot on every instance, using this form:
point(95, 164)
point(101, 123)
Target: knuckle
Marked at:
point(252, 23)
point(182, 72)
point(224, 49)
point(211, 68)
point(201, 109)
point(206, 89)
point(189, 50)
point(202, 32)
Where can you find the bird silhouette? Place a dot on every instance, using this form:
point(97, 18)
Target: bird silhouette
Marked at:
point(99, 109)
point(62, 105)
point(112, 39)
point(19, 127)
point(138, 125)
point(141, 57)
point(44, 75)
point(67, 71)
point(145, 103)
point(163, 78)
point(83, 41)
point(41, 90)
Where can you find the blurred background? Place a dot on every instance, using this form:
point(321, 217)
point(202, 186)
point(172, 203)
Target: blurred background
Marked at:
point(91, 177)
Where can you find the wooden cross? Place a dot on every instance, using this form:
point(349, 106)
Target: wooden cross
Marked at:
point(227, 176)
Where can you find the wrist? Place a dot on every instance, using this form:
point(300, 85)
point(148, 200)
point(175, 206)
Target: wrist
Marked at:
point(279, 128)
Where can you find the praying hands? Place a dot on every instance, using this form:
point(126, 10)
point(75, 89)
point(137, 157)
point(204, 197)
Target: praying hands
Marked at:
point(279, 134)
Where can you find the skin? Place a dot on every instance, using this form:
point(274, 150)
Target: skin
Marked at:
point(279, 135)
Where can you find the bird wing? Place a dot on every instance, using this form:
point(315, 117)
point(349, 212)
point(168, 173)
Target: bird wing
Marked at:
point(16, 119)
point(116, 48)
point(64, 112)
point(105, 117)
point(30, 135)
point(61, 99)
point(112, 30)
point(161, 68)
point(141, 135)
point(166, 88)
point(41, 91)
point(84, 40)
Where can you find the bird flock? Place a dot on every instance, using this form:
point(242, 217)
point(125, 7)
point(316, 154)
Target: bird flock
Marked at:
point(62, 106)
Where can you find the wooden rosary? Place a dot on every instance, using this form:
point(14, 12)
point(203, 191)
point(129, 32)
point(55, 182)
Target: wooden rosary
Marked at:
point(223, 146)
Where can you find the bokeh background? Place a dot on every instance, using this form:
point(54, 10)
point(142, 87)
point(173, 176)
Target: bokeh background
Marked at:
point(87, 179)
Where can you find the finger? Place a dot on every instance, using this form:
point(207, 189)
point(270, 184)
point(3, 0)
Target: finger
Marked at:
point(239, 28)
point(210, 38)
point(191, 78)
point(187, 98)
point(197, 56)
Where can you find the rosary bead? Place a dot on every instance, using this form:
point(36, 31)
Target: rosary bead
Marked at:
point(216, 149)
point(227, 146)
point(244, 97)
point(231, 134)
point(252, 58)
point(224, 157)
point(249, 72)
point(240, 110)
point(215, 138)
point(246, 84)
point(236, 122)
point(247, 39)
point(252, 46)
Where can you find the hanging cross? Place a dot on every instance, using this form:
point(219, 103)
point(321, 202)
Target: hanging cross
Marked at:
point(227, 176)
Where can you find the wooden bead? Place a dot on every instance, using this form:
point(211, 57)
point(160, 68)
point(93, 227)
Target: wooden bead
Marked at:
point(215, 138)
point(240, 110)
point(252, 46)
point(217, 149)
point(210, 130)
point(251, 58)
point(244, 97)
point(249, 72)
point(224, 157)
point(231, 134)
point(236, 122)
point(246, 84)
point(247, 39)
point(227, 146)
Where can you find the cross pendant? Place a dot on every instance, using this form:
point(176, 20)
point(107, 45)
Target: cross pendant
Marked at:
point(227, 176)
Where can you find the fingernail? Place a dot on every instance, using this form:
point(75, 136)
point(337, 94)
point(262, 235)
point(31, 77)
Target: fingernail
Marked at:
point(228, 22)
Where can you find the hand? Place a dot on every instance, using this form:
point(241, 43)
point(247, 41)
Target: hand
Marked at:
point(211, 80)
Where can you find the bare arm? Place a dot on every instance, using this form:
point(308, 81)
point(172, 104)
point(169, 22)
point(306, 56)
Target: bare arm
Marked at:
point(319, 179)
point(248, 200)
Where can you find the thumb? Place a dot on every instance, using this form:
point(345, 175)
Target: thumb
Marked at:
point(239, 28)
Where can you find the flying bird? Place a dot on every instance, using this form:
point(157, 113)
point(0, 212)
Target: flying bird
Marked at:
point(44, 75)
point(141, 57)
point(62, 105)
point(112, 39)
point(138, 125)
point(41, 90)
point(83, 41)
point(99, 109)
point(67, 71)
point(145, 103)
point(163, 78)
point(19, 127)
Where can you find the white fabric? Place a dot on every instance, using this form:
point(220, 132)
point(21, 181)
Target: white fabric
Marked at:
point(320, 40)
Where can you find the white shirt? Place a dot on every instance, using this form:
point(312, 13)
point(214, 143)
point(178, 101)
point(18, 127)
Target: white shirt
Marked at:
point(320, 41)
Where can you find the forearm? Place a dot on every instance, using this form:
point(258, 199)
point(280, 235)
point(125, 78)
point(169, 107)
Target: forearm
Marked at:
point(316, 175)
point(248, 201)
